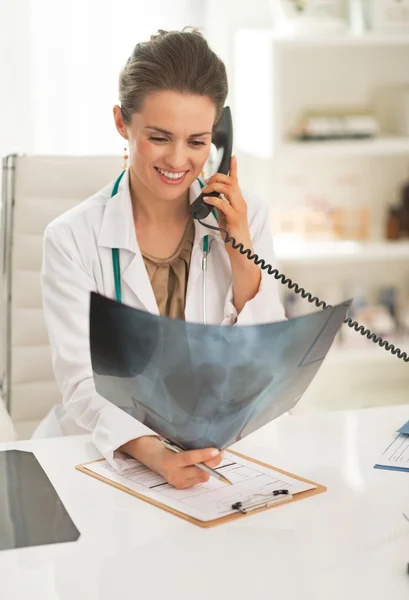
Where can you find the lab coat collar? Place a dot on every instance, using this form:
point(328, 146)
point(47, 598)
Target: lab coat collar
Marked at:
point(118, 230)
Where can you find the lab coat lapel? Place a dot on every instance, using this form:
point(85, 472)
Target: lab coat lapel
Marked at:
point(136, 277)
point(193, 306)
point(118, 231)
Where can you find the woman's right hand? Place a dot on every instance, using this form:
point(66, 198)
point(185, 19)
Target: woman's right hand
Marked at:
point(177, 468)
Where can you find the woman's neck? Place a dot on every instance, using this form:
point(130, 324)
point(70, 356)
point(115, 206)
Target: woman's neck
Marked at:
point(153, 210)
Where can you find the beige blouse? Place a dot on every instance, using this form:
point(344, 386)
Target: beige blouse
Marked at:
point(168, 276)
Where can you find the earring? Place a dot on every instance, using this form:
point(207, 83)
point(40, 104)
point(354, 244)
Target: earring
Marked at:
point(202, 174)
point(125, 165)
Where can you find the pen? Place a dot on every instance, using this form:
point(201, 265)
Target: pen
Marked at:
point(201, 466)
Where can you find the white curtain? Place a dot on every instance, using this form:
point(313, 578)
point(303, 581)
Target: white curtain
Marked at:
point(15, 105)
point(60, 61)
point(59, 67)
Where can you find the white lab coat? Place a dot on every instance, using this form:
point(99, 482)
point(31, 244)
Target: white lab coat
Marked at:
point(78, 259)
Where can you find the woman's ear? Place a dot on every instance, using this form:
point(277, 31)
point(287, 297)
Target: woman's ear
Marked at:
point(119, 122)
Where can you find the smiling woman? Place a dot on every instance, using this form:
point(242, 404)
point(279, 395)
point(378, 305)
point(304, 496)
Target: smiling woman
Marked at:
point(172, 92)
point(169, 142)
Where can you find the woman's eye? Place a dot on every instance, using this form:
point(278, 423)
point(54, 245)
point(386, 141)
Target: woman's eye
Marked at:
point(157, 139)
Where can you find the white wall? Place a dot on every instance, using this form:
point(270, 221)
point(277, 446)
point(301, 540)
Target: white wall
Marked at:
point(223, 18)
point(59, 63)
point(59, 67)
point(15, 91)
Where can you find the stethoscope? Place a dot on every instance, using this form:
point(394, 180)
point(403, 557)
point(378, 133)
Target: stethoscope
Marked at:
point(117, 268)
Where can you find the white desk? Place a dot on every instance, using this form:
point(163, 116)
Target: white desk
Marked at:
point(349, 543)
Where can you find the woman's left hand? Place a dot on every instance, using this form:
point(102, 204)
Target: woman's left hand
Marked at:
point(232, 213)
point(232, 209)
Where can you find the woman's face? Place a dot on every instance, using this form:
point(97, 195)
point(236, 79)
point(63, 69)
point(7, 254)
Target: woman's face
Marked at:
point(169, 141)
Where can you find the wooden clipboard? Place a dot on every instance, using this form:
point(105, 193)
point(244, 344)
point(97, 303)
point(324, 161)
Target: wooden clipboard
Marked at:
point(319, 489)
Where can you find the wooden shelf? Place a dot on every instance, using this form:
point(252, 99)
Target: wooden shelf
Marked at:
point(381, 146)
point(331, 252)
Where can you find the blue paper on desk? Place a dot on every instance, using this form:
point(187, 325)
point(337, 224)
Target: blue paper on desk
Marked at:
point(205, 385)
point(396, 455)
point(404, 429)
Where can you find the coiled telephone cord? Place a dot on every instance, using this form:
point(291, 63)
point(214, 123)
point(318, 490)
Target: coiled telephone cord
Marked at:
point(260, 262)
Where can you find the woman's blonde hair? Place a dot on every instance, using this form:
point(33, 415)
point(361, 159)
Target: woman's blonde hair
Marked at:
point(181, 61)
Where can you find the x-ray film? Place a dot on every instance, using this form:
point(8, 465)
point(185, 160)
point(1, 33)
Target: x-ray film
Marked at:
point(205, 385)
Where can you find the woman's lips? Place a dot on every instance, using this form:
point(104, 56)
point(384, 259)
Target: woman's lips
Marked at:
point(171, 181)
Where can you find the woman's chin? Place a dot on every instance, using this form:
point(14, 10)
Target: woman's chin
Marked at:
point(172, 191)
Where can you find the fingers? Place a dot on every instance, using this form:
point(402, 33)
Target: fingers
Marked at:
point(216, 186)
point(219, 177)
point(192, 471)
point(187, 483)
point(186, 473)
point(193, 457)
point(215, 462)
point(233, 168)
point(180, 470)
point(221, 205)
point(231, 193)
point(183, 478)
point(227, 179)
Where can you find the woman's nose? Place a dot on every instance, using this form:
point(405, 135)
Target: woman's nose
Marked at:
point(177, 158)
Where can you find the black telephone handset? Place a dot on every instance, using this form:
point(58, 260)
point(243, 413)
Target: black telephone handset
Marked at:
point(223, 140)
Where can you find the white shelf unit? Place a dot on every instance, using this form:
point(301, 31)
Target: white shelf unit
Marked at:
point(277, 79)
point(380, 146)
point(339, 40)
point(343, 252)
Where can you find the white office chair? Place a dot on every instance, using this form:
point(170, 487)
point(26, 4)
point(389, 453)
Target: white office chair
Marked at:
point(7, 431)
point(35, 190)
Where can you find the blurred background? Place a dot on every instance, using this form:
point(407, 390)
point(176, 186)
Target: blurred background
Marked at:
point(319, 92)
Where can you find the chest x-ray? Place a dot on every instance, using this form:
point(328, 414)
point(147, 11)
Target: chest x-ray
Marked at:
point(205, 385)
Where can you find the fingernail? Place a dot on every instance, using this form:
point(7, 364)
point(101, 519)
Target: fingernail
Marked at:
point(214, 452)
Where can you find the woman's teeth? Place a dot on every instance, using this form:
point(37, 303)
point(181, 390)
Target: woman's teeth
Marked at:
point(172, 176)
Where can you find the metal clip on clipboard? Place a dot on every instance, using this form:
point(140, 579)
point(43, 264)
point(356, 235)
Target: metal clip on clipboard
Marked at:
point(262, 501)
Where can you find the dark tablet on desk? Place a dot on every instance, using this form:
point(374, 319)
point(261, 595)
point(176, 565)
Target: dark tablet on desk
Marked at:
point(31, 512)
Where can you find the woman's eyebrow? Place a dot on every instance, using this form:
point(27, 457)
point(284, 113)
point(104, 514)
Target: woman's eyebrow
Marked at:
point(170, 133)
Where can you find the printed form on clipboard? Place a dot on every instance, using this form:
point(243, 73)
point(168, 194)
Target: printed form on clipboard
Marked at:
point(255, 486)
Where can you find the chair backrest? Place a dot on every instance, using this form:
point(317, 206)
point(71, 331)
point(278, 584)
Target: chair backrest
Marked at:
point(35, 190)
